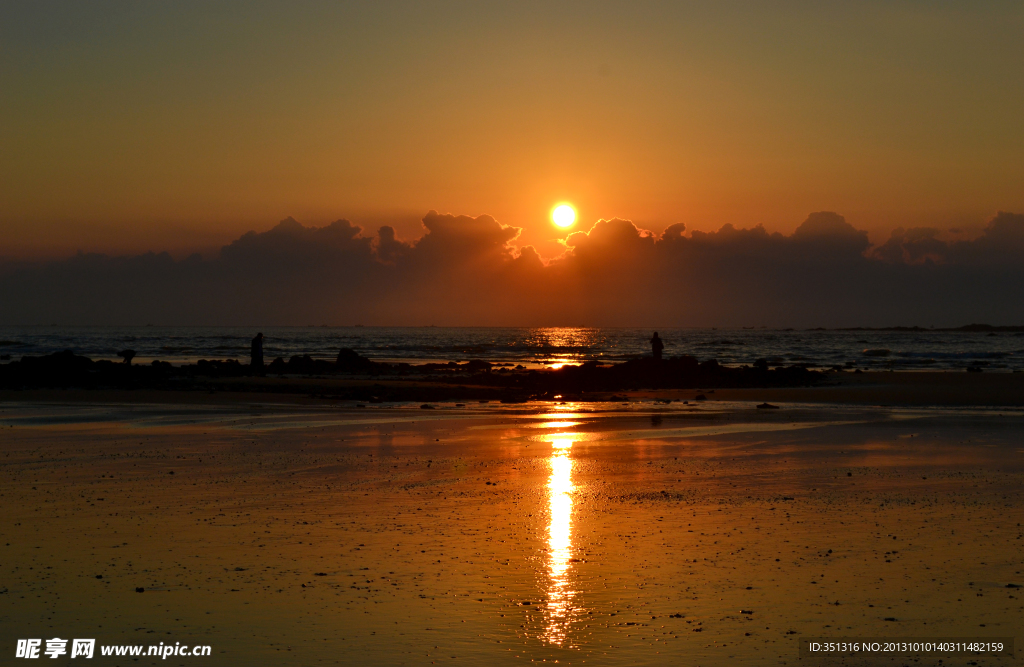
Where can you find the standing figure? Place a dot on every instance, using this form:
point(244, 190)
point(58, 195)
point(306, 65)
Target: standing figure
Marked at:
point(256, 354)
point(657, 346)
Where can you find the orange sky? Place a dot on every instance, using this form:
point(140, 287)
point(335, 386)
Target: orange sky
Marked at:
point(128, 127)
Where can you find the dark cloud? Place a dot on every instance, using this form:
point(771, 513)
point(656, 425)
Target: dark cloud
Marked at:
point(912, 246)
point(467, 271)
point(470, 237)
point(614, 241)
point(388, 248)
point(1001, 243)
point(290, 247)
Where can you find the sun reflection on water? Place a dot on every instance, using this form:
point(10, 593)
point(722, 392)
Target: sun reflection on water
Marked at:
point(559, 424)
point(559, 607)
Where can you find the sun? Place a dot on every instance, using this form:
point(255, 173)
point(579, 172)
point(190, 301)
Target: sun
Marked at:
point(563, 215)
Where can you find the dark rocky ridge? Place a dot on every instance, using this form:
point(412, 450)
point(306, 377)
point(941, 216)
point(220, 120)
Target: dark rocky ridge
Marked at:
point(432, 381)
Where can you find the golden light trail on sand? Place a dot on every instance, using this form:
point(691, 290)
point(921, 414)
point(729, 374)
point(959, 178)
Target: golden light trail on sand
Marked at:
point(558, 610)
point(557, 424)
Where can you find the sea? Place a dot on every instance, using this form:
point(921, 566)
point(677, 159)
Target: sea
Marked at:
point(938, 350)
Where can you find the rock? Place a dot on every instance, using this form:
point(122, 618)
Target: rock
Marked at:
point(350, 361)
point(767, 406)
point(478, 366)
point(700, 397)
point(140, 589)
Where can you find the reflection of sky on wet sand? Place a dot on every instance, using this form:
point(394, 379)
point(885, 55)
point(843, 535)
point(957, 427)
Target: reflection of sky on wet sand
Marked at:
point(558, 610)
point(415, 547)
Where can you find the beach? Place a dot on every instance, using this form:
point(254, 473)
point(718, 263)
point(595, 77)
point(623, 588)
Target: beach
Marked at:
point(292, 530)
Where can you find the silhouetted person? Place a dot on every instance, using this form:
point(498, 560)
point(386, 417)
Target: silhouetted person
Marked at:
point(657, 346)
point(256, 354)
point(127, 355)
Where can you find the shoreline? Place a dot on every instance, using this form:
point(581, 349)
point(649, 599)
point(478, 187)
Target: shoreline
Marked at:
point(887, 389)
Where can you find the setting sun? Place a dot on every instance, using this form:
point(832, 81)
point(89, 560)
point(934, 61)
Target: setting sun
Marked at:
point(563, 215)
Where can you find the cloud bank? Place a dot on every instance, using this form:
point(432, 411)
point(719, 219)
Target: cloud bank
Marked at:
point(469, 271)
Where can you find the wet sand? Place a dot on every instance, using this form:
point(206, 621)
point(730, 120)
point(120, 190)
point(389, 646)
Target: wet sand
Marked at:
point(597, 533)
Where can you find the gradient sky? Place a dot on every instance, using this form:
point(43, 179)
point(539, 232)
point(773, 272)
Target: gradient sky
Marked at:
point(178, 126)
